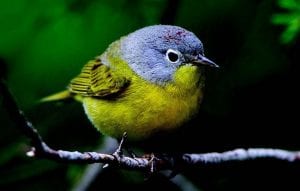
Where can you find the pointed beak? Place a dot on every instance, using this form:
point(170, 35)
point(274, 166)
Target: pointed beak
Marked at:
point(199, 59)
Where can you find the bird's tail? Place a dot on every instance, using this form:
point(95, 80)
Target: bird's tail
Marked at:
point(60, 96)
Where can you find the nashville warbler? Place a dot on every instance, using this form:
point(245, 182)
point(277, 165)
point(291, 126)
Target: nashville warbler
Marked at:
point(146, 82)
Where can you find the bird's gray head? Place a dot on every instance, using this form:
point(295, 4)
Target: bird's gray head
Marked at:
point(155, 52)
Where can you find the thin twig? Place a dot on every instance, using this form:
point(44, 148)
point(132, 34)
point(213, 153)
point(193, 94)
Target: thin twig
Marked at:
point(42, 150)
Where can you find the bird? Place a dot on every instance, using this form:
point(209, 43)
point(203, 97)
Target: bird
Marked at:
point(147, 82)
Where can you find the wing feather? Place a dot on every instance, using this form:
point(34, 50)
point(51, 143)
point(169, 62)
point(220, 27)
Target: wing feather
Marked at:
point(97, 80)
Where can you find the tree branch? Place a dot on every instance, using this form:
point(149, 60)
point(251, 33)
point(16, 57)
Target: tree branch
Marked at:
point(42, 150)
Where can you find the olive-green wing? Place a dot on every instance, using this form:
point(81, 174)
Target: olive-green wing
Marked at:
point(97, 80)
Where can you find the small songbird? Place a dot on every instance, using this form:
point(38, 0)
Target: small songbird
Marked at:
point(147, 82)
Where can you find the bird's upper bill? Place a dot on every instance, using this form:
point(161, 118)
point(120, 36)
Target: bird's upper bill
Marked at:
point(200, 60)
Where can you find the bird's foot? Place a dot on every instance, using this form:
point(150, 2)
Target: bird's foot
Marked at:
point(118, 154)
point(154, 165)
point(123, 145)
point(152, 162)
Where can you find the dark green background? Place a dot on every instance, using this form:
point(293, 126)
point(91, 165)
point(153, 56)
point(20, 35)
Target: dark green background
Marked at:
point(251, 101)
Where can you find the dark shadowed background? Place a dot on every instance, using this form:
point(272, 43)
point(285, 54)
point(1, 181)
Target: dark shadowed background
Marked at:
point(251, 101)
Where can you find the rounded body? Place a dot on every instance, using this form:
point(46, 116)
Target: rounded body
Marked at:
point(162, 68)
point(146, 108)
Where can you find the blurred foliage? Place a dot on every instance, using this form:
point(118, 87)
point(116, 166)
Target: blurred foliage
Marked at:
point(291, 19)
point(45, 43)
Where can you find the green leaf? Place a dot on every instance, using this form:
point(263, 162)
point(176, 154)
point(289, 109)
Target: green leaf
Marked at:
point(291, 31)
point(291, 20)
point(289, 4)
point(282, 19)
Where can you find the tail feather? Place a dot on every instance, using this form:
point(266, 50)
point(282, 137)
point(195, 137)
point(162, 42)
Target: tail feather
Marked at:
point(58, 96)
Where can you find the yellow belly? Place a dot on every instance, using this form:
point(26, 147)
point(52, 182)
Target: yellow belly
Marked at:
point(143, 110)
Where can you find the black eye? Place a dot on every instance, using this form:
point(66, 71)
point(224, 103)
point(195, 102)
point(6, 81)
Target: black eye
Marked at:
point(173, 56)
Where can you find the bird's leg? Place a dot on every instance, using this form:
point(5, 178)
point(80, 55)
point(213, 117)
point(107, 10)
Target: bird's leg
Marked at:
point(155, 159)
point(118, 154)
point(152, 161)
point(125, 146)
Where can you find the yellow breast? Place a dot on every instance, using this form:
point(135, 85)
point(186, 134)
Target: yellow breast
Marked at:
point(146, 108)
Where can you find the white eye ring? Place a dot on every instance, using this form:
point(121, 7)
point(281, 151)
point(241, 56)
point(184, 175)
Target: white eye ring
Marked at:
point(173, 56)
